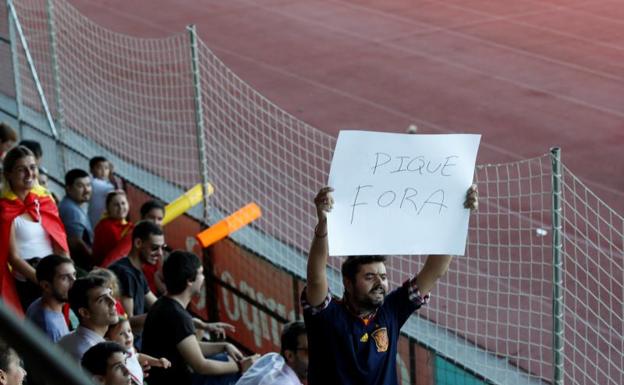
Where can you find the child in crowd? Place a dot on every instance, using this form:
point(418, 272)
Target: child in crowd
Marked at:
point(11, 367)
point(43, 182)
point(111, 228)
point(102, 183)
point(122, 334)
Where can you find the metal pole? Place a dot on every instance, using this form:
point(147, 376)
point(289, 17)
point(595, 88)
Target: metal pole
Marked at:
point(60, 116)
point(33, 71)
point(557, 230)
point(33, 346)
point(199, 119)
point(16, 70)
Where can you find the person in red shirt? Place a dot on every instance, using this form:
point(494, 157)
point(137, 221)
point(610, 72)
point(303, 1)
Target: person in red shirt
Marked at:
point(111, 229)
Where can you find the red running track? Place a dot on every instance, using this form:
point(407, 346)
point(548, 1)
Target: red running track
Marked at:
point(526, 75)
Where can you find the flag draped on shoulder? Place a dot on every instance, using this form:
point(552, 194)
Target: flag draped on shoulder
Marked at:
point(41, 208)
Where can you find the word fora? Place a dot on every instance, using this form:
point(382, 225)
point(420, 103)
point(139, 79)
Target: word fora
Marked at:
point(413, 164)
point(405, 198)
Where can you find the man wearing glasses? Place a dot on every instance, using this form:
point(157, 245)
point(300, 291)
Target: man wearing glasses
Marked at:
point(148, 243)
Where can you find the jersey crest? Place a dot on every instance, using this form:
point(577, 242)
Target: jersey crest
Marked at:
point(380, 336)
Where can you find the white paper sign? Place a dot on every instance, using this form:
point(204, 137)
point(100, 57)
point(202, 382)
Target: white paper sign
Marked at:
point(398, 194)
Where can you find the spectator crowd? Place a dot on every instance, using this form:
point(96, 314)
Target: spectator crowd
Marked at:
point(110, 293)
point(103, 288)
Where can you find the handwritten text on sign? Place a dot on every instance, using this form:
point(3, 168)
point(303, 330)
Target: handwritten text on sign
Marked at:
point(400, 193)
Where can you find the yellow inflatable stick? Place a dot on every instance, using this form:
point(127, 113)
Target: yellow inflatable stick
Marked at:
point(184, 202)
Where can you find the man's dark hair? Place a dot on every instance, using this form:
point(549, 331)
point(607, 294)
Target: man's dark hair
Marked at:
point(144, 229)
point(351, 265)
point(150, 205)
point(95, 360)
point(95, 160)
point(79, 292)
point(33, 146)
point(73, 174)
point(290, 336)
point(46, 268)
point(7, 133)
point(179, 268)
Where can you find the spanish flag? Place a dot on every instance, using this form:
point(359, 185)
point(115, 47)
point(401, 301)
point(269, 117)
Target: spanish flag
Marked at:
point(41, 207)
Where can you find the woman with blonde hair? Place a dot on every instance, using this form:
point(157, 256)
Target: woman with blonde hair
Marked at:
point(30, 228)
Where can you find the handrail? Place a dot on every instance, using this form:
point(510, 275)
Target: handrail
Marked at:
point(35, 348)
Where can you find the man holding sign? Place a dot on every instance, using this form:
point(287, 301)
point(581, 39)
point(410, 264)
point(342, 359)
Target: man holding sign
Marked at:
point(354, 341)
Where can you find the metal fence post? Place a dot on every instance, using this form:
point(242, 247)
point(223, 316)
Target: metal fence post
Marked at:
point(60, 116)
point(557, 230)
point(199, 119)
point(16, 69)
point(33, 70)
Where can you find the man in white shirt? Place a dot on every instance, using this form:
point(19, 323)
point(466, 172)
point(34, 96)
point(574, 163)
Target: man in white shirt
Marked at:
point(288, 368)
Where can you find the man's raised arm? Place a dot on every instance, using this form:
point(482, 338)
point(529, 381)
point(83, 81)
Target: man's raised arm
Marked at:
point(317, 286)
point(437, 265)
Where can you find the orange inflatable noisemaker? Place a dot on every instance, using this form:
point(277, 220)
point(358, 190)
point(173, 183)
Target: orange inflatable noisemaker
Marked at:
point(228, 225)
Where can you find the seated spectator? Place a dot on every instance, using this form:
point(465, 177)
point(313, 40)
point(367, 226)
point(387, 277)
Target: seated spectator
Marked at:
point(103, 182)
point(30, 228)
point(8, 138)
point(106, 361)
point(288, 368)
point(93, 303)
point(77, 225)
point(154, 211)
point(122, 334)
point(11, 370)
point(43, 182)
point(36, 149)
point(112, 228)
point(56, 275)
point(112, 283)
point(148, 243)
point(169, 331)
